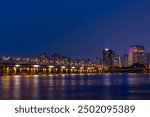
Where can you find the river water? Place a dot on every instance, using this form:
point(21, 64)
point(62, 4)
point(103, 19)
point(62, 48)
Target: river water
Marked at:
point(76, 87)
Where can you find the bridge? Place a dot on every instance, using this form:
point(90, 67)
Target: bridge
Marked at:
point(30, 69)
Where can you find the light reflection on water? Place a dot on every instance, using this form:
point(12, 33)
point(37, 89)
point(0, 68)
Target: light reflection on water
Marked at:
point(101, 86)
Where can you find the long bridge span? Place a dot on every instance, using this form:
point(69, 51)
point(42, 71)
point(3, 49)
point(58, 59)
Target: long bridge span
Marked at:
point(29, 69)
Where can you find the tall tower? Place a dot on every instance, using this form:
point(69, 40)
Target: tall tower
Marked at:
point(117, 61)
point(147, 59)
point(108, 55)
point(135, 54)
point(125, 60)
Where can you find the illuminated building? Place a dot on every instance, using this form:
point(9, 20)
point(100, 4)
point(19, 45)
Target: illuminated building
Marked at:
point(43, 59)
point(99, 61)
point(135, 54)
point(108, 55)
point(125, 60)
point(116, 61)
point(147, 59)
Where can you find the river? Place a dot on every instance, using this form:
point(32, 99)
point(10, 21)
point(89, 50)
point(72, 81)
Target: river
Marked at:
point(76, 87)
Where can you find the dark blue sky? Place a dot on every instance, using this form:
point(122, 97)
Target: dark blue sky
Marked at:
point(74, 28)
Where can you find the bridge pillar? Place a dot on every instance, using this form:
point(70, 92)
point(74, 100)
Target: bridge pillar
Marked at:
point(37, 70)
point(7, 70)
point(21, 71)
point(79, 71)
point(75, 70)
point(31, 69)
point(49, 70)
point(28, 71)
point(67, 71)
point(56, 70)
point(14, 70)
point(61, 70)
point(44, 71)
point(71, 71)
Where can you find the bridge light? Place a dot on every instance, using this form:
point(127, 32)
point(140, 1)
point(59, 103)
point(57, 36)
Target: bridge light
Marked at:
point(51, 66)
point(17, 65)
point(73, 67)
point(81, 67)
point(63, 67)
point(35, 65)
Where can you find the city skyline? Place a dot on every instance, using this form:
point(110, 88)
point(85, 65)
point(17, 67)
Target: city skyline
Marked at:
point(135, 62)
point(100, 52)
point(28, 28)
point(136, 54)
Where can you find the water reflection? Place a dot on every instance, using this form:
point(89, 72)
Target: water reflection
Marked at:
point(16, 85)
point(5, 86)
point(101, 86)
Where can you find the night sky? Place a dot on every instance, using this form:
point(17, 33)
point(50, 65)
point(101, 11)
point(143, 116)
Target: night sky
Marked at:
point(74, 28)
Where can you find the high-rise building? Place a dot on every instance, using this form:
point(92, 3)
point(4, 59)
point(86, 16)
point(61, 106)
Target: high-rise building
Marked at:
point(135, 54)
point(147, 59)
point(125, 60)
point(108, 55)
point(117, 61)
point(98, 61)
